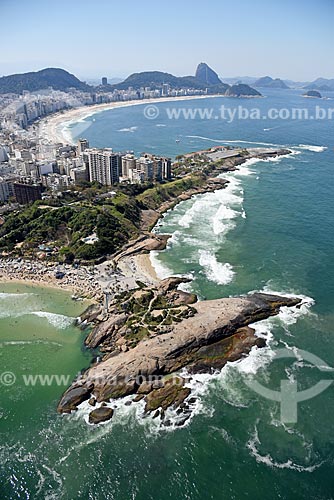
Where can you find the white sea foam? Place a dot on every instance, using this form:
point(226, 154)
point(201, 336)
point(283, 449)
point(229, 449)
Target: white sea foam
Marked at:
point(230, 199)
point(11, 296)
point(200, 206)
point(261, 358)
point(253, 445)
point(222, 220)
point(161, 270)
point(290, 315)
point(67, 133)
point(310, 147)
point(128, 129)
point(224, 141)
point(30, 342)
point(201, 384)
point(130, 413)
point(244, 170)
point(174, 239)
point(215, 271)
point(56, 320)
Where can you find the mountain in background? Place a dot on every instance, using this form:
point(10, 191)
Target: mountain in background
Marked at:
point(250, 80)
point(235, 80)
point(155, 79)
point(268, 82)
point(240, 90)
point(205, 78)
point(206, 75)
point(57, 78)
point(295, 85)
point(323, 84)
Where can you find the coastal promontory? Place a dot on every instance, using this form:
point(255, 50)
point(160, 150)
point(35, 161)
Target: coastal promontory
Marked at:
point(151, 334)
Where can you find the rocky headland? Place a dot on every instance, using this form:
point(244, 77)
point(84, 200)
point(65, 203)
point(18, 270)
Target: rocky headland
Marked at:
point(148, 332)
point(149, 335)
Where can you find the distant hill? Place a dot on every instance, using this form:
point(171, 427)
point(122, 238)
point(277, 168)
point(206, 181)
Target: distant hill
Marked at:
point(323, 84)
point(205, 78)
point(269, 82)
point(206, 75)
point(312, 93)
point(155, 79)
point(242, 90)
point(57, 78)
point(248, 80)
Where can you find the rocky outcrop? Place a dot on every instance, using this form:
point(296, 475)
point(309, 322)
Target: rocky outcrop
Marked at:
point(144, 244)
point(207, 75)
point(91, 313)
point(217, 332)
point(101, 414)
point(268, 82)
point(242, 90)
point(103, 330)
point(74, 396)
point(313, 93)
point(173, 393)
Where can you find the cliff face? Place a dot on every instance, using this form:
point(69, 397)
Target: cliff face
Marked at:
point(206, 75)
point(215, 332)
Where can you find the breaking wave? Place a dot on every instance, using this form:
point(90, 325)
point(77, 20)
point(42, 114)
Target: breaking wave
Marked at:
point(215, 271)
point(56, 320)
point(315, 149)
point(253, 445)
point(128, 129)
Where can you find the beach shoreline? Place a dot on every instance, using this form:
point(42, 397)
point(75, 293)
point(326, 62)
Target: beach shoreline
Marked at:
point(80, 282)
point(53, 127)
point(38, 283)
point(133, 262)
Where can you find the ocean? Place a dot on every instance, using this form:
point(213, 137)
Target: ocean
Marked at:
point(271, 229)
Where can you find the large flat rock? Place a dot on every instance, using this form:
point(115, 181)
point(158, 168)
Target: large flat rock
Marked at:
point(184, 345)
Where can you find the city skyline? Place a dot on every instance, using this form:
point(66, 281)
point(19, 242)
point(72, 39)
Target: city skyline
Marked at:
point(282, 40)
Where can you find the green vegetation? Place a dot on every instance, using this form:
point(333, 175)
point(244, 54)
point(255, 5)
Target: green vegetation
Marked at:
point(58, 228)
point(63, 229)
point(57, 78)
point(156, 196)
point(148, 311)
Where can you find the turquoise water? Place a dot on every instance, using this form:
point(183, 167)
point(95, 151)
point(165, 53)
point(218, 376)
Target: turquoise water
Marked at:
point(271, 229)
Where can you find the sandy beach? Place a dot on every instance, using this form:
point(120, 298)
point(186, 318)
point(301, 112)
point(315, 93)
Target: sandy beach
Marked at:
point(90, 283)
point(53, 128)
point(81, 281)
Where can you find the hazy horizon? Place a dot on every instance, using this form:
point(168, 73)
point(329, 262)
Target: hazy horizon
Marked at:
point(290, 39)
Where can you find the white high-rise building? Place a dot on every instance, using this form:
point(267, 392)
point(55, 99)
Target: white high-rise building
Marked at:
point(128, 161)
point(145, 165)
point(103, 166)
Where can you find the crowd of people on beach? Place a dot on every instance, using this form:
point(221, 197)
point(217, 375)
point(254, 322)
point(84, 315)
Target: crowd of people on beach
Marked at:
point(82, 281)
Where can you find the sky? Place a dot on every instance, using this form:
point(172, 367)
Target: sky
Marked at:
point(291, 39)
